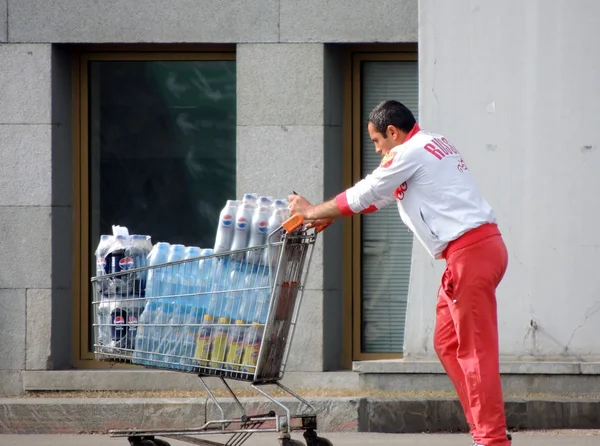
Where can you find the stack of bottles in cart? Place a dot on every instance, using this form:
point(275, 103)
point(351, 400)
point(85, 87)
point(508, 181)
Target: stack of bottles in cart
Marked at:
point(197, 309)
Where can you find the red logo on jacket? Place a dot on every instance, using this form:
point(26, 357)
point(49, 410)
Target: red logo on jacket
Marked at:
point(399, 193)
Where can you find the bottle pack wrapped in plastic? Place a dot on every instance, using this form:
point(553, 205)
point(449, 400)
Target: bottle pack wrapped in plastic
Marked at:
point(121, 295)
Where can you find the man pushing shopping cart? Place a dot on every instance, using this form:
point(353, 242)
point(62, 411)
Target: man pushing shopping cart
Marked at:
point(437, 199)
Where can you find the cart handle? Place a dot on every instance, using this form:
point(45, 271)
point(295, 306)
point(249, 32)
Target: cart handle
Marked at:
point(297, 220)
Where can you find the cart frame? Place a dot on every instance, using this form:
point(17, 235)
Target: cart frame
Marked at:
point(291, 256)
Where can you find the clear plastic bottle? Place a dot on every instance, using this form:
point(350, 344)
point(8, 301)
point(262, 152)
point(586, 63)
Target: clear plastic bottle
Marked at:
point(203, 344)
point(189, 277)
point(163, 315)
point(221, 286)
point(174, 335)
point(155, 280)
point(190, 334)
point(205, 279)
point(235, 289)
point(251, 198)
point(174, 273)
point(235, 346)
point(252, 342)
point(224, 236)
point(258, 233)
point(218, 344)
point(144, 342)
point(279, 215)
point(243, 221)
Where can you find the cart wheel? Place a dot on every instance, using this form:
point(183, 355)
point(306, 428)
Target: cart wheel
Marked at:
point(313, 440)
point(285, 440)
point(152, 442)
point(289, 442)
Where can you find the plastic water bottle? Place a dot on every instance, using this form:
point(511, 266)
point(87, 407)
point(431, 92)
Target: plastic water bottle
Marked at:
point(252, 342)
point(203, 344)
point(220, 288)
point(251, 198)
point(236, 285)
point(204, 280)
point(224, 236)
point(163, 315)
point(261, 306)
point(257, 283)
point(174, 335)
point(144, 341)
point(243, 219)
point(258, 233)
point(174, 273)
point(190, 333)
point(189, 277)
point(264, 201)
point(218, 344)
point(154, 282)
point(279, 215)
point(235, 346)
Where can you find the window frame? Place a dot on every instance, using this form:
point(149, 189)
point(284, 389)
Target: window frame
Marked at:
point(82, 358)
point(352, 350)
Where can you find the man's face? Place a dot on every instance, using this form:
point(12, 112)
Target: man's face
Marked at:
point(382, 144)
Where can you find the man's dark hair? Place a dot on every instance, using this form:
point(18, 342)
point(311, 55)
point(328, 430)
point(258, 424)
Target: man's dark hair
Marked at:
point(392, 113)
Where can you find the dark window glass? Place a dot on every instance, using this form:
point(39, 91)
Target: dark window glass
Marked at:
point(161, 148)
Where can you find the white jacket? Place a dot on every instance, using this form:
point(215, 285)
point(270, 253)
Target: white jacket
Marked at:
point(435, 192)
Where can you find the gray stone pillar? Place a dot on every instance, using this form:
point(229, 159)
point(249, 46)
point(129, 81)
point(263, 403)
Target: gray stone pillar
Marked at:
point(35, 214)
point(288, 131)
point(26, 209)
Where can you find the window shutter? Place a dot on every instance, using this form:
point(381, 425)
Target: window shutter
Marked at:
point(386, 241)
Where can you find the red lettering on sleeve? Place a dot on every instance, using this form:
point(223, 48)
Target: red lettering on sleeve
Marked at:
point(399, 193)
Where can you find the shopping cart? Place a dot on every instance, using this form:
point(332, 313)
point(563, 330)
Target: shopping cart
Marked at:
point(229, 315)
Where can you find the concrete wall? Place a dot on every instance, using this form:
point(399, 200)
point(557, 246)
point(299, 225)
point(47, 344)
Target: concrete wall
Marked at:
point(289, 121)
point(290, 108)
point(35, 200)
point(514, 85)
point(215, 21)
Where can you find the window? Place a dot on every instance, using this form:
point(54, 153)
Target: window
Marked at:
point(382, 243)
point(157, 152)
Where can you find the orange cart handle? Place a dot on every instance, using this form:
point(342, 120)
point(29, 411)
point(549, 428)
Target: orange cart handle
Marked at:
point(297, 220)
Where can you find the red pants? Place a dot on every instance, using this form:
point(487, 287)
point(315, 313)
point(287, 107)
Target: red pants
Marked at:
point(466, 332)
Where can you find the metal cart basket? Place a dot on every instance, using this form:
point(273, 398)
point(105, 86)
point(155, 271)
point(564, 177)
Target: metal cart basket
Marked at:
point(229, 315)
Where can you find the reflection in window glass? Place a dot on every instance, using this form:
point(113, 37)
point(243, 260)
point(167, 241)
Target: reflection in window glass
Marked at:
point(161, 148)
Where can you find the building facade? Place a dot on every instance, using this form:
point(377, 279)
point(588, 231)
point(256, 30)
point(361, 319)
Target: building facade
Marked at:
point(152, 114)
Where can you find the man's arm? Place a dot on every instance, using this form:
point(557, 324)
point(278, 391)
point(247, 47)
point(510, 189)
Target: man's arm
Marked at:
point(368, 195)
point(325, 210)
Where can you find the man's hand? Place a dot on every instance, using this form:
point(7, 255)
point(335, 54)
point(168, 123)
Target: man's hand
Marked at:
point(324, 222)
point(320, 215)
point(300, 205)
